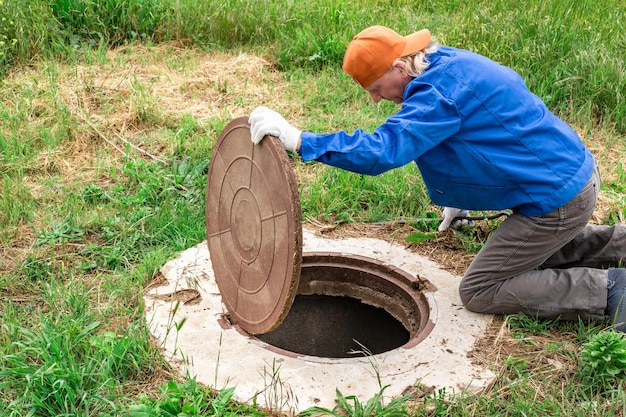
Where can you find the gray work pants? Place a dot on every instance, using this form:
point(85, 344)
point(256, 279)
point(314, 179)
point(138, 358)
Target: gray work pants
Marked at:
point(547, 266)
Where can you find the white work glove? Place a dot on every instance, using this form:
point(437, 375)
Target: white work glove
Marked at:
point(264, 121)
point(449, 214)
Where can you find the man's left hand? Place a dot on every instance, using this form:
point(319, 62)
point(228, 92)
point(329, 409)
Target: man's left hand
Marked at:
point(451, 213)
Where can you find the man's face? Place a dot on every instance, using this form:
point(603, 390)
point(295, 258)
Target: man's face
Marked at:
point(390, 86)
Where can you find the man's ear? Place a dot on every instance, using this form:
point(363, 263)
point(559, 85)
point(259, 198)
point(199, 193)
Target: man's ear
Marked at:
point(399, 64)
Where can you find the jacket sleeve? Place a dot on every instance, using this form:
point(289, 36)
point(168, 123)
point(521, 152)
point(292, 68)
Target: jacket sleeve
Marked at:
point(425, 119)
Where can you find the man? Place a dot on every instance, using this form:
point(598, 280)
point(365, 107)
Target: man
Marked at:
point(482, 141)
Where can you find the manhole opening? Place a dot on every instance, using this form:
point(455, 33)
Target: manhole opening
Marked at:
point(347, 305)
point(336, 327)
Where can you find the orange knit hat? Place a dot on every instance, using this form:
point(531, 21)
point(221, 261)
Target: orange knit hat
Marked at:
point(372, 52)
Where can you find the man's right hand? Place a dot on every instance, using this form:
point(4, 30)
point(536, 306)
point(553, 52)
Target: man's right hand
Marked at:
point(264, 121)
point(451, 213)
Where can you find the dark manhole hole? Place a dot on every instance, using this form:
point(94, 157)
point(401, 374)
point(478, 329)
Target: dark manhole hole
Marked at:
point(348, 305)
point(336, 327)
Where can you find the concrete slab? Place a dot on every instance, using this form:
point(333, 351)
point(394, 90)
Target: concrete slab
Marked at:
point(185, 316)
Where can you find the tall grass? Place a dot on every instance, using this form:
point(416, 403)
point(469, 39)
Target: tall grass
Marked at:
point(569, 51)
point(60, 363)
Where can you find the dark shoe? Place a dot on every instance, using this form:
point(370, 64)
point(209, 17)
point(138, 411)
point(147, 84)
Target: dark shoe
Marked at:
point(616, 300)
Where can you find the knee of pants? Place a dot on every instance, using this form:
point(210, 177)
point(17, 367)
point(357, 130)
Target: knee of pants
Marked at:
point(467, 294)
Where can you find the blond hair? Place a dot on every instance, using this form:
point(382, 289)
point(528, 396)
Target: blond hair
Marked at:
point(417, 63)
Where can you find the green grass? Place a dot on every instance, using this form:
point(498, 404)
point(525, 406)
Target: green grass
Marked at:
point(65, 362)
point(103, 172)
point(343, 197)
point(570, 52)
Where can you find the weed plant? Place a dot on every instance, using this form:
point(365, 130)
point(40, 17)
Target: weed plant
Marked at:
point(190, 399)
point(101, 182)
point(603, 360)
point(351, 406)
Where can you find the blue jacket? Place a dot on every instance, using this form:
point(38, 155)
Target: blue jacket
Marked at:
point(481, 140)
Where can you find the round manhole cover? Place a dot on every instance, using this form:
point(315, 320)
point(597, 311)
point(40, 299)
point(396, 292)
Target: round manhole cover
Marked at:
point(254, 230)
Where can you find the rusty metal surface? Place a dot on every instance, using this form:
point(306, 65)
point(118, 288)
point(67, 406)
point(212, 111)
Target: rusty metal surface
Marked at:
point(254, 231)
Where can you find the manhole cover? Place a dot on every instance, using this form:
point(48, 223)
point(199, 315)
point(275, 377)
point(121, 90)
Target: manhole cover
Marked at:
point(254, 231)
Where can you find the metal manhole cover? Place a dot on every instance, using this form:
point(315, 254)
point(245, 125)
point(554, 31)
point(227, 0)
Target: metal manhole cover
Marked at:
point(254, 229)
